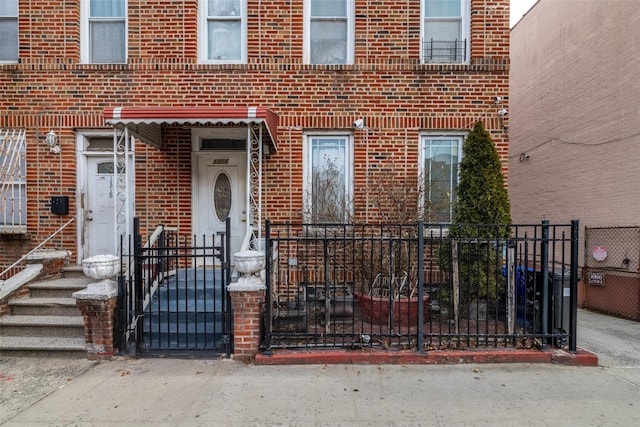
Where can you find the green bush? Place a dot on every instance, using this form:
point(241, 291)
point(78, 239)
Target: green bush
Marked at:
point(481, 218)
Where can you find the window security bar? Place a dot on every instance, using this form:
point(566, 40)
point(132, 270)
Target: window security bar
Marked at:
point(444, 51)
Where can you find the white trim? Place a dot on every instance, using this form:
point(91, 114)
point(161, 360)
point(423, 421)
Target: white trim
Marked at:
point(198, 134)
point(307, 162)
point(203, 39)
point(351, 25)
point(85, 45)
point(17, 40)
point(465, 10)
point(431, 135)
point(82, 156)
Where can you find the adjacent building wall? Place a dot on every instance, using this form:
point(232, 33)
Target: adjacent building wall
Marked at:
point(574, 130)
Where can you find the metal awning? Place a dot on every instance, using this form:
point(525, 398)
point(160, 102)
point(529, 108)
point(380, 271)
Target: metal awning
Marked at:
point(145, 122)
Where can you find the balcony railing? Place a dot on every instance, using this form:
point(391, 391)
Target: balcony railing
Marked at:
point(444, 51)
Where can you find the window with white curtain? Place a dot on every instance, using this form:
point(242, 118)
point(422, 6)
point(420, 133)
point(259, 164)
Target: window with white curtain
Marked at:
point(223, 31)
point(329, 31)
point(445, 31)
point(440, 162)
point(9, 30)
point(104, 31)
point(328, 178)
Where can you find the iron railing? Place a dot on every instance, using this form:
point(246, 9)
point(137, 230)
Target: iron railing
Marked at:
point(420, 286)
point(13, 196)
point(444, 51)
point(17, 265)
point(173, 296)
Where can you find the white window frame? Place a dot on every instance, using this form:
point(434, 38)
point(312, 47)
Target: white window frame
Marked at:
point(307, 170)
point(8, 18)
point(465, 9)
point(85, 33)
point(350, 32)
point(203, 36)
point(425, 139)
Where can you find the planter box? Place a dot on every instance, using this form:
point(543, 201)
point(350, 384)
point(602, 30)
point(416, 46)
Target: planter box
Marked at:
point(377, 310)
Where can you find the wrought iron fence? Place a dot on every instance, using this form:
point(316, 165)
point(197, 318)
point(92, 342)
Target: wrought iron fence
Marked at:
point(421, 286)
point(173, 296)
point(612, 270)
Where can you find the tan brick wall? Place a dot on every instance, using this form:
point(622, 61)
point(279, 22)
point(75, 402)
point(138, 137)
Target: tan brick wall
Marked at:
point(575, 86)
point(50, 90)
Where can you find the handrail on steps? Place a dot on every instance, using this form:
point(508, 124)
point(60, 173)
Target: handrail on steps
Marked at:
point(23, 257)
point(152, 239)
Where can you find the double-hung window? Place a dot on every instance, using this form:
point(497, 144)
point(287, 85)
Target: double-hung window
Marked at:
point(445, 31)
point(13, 182)
point(9, 30)
point(104, 31)
point(328, 178)
point(329, 31)
point(223, 31)
point(439, 167)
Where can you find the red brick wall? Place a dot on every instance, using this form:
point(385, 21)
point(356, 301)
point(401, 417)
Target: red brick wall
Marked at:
point(50, 90)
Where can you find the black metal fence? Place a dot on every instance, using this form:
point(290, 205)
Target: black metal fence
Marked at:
point(173, 296)
point(421, 286)
point(612, 270)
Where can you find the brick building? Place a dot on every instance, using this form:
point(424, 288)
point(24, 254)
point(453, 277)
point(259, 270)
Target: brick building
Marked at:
point(575, 137)
point(572, 109)
point(182, 112)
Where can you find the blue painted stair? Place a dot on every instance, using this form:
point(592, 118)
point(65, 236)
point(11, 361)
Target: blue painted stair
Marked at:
point(188, 312)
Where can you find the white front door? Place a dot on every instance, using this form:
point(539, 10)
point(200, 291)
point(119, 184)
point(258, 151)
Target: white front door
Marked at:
point(221, 193)
point(99, 196)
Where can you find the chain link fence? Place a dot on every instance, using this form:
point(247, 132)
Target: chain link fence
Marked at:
point(612, 271)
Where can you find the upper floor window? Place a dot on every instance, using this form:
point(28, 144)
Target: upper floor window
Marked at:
point(440, 161)
point(223, 31)
point(329, 31)
point(104, 31)
point(9, 30)
point(328, 182)
point(445, 31)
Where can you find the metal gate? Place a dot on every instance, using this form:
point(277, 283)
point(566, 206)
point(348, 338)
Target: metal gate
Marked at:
point(173, 297)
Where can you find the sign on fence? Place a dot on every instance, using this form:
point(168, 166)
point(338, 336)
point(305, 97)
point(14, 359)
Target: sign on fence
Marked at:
point(596, 279)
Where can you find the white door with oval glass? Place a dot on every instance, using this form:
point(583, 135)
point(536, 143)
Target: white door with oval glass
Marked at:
point(221, 193)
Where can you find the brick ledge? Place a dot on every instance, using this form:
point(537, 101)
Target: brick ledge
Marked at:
point(440, 357)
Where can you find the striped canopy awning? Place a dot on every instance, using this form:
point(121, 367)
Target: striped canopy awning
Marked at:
point(145, 122)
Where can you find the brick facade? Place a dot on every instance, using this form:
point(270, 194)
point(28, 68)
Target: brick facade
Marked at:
point(49, 89)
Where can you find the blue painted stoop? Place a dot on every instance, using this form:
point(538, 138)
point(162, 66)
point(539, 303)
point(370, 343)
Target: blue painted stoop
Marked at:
point(187, 313)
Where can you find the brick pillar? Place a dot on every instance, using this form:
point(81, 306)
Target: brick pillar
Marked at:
point(246, 301)
point(97, 304)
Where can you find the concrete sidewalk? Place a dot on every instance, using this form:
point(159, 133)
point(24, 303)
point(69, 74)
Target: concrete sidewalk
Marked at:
point(176, 392)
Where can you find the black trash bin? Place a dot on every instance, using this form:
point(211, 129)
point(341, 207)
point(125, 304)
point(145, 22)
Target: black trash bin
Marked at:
point(558, 304)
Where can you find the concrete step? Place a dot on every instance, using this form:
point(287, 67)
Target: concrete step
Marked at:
point(59, 288)
point(42, 326)
point(73, 271)
point(43, 346)
point(44, 307)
